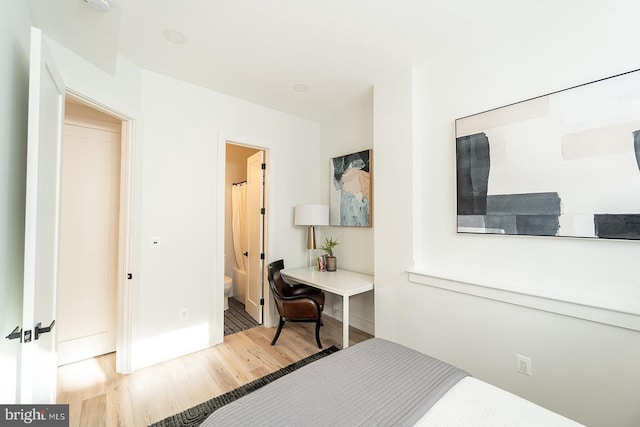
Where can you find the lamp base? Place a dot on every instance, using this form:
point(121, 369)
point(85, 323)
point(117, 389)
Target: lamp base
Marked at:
point(311, 237)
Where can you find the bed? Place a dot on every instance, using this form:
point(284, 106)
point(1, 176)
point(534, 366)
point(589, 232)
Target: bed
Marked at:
point(381, 383)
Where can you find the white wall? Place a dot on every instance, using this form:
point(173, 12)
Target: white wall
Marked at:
point(14, 81)
point(181, 131)
point(393, 194)
point(349, 132)
point(183, 199)
point(584, 369)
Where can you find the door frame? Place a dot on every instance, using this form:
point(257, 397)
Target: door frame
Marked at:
point(268, 310)
point(124, 297)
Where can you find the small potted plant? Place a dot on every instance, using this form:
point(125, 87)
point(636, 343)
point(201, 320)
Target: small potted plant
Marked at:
point(329, 244)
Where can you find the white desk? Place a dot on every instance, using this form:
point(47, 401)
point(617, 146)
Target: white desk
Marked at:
point(340, 282)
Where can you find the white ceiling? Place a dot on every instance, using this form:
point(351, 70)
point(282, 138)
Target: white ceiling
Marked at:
point(258, 50)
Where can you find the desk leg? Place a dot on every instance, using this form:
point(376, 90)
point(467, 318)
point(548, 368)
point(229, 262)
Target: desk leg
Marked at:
point(345, 321)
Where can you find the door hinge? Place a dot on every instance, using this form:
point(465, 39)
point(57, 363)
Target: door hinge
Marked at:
point(262, 256)
point(263, 211)
point(263, 166)
point(261, 301)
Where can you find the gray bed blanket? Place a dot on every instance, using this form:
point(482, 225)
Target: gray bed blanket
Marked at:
point(375, 382)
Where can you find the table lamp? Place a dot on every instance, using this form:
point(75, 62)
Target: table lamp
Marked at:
point(311, 215)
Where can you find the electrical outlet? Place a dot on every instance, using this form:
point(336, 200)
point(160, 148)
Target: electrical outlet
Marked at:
point(523, 364)
point(184, 314)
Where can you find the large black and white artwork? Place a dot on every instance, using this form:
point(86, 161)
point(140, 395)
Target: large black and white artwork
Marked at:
point(563, 164)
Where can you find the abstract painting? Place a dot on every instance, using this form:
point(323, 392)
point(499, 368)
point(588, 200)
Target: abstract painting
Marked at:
point(563, 164)
point(351, 190)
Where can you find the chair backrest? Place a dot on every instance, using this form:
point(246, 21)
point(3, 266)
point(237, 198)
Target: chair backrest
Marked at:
point(276, 282)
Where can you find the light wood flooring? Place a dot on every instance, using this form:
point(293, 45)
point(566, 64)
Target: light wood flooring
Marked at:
point(97, 396)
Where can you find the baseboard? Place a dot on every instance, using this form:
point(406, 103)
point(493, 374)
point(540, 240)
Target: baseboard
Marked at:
point(358, 322)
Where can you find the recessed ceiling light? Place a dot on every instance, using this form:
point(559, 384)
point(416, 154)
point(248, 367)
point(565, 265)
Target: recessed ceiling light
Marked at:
point(300, 87)
point(101, 5)
point(174, 36)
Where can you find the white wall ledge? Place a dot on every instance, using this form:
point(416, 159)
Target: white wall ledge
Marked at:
point(587, 311)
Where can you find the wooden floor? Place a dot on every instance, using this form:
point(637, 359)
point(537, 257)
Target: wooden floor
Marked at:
point(97, 396)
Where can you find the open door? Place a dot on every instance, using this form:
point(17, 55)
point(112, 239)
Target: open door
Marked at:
point(37, 373)
point(255, 229)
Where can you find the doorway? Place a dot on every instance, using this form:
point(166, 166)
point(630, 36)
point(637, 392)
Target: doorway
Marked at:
point(95, 233)
point(245, 169)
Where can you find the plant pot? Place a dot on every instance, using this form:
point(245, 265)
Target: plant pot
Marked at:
point(332, 263)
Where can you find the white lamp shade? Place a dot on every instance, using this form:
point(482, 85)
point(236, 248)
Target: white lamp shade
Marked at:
point(311, 215)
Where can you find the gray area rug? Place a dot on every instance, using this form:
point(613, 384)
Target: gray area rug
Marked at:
point(196, 415)
point(236, 319)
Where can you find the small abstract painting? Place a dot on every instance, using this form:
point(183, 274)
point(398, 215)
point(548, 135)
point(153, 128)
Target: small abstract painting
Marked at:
point(563, 164)
point(351, 190)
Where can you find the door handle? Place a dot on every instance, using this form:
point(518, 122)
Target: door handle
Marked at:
point(39, 330)
point(15, 334)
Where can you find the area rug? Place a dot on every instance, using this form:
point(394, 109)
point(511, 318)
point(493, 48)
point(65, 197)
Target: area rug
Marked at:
point(196, 415)
point(236, 319)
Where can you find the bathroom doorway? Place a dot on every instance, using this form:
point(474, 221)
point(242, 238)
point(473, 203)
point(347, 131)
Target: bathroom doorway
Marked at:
point(244, 236)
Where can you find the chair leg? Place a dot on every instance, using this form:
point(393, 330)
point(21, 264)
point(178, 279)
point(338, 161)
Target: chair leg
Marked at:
point(280, 325)
point(318, 324)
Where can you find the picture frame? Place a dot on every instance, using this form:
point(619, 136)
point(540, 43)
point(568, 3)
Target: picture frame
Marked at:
point(566, 164)
point(351, 190)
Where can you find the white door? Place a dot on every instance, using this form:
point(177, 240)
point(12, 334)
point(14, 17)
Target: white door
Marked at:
point(255, 227)
point(37, 376)
point(89, 221)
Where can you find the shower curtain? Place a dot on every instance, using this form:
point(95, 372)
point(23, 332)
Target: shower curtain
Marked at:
point(239, 222)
